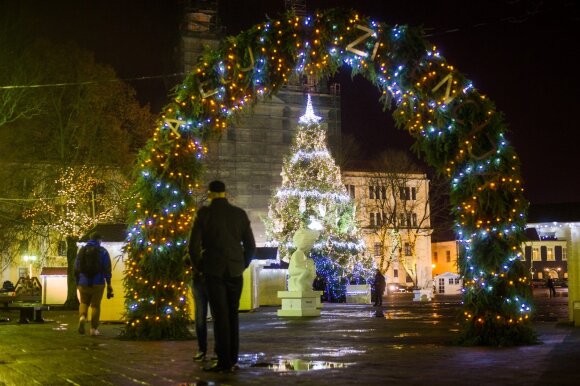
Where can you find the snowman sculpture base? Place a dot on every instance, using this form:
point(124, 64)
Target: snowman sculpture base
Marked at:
point(300, 303)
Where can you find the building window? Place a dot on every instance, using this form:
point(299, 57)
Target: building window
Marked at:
point(371, 192)
point(451, 281)
point(407, 249)
point(350, 190)
point(441, 286)
point(22, 272)
point(395, 273)
point(414, 219)
point(406, 193)
point(456, 280)
point(383, 192)
point(402, 220)
point(372, 218)
point(377, 249)
point(536, 254)
point(448, 256)
point(550, 254)
point(564, 253)
point(435, 257)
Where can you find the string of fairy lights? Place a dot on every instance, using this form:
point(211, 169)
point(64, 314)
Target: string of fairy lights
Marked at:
point(457, 130)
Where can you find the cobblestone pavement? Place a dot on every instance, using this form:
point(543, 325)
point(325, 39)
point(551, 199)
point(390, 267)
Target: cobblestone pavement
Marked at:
point(406, 343)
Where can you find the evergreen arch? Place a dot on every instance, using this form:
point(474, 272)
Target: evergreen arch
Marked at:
point(457, 130)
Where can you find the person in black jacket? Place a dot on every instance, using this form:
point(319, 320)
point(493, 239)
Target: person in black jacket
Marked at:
point(379, 286)
point(221, 247)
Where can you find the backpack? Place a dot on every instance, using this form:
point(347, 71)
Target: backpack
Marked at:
point(90, 260)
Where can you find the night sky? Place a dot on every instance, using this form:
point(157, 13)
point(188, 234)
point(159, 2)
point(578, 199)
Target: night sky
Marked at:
point(518, 53)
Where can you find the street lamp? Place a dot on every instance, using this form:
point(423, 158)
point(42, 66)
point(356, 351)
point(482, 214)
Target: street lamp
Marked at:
point(29, 259)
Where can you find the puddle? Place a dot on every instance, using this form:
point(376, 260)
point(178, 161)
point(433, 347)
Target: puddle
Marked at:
point(335, 352)
point(95, 346)
point(61, 327)
point(406, 334)
point(284, 365)
point(361, 331)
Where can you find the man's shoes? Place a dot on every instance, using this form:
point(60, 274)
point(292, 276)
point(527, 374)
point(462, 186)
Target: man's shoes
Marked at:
point(95, 332)
point(82, 321)
point(199, 357)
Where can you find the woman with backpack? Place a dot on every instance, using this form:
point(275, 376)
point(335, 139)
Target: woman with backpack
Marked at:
point(92, 271)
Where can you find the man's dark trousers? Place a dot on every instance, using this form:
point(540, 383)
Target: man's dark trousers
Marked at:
point(200, 301)
point(224, 299)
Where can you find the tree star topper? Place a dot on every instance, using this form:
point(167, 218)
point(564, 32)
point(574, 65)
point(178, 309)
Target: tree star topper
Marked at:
point(309, 117)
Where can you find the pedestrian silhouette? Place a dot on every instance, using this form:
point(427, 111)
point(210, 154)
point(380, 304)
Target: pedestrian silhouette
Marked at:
point(379, 285)
point(221, 247)
point(551, 288)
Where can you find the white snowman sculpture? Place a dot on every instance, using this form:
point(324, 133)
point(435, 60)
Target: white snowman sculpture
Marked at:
point(301, 268)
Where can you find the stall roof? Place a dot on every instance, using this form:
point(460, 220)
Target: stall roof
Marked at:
point(449, 274)
point(53, 271)
point(110, 232)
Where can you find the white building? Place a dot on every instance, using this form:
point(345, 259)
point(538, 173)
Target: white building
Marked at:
point(393, 213)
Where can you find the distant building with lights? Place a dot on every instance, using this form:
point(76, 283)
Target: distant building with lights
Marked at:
point(546, 249)
point(444, 256)
point(549, 234)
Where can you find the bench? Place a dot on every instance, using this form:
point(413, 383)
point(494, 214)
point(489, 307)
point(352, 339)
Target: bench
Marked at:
point(29, 312)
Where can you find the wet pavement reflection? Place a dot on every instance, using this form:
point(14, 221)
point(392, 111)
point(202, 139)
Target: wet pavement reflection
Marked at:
point(300, 365)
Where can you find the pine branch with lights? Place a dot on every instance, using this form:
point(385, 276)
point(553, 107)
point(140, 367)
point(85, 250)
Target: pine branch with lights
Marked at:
point(312, 195)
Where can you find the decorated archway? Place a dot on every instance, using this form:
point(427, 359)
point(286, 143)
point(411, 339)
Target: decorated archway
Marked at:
point(457, 131)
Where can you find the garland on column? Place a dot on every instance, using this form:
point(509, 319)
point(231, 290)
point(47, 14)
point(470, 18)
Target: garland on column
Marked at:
point(457, 130)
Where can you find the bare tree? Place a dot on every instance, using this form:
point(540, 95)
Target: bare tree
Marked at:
point(401, 197)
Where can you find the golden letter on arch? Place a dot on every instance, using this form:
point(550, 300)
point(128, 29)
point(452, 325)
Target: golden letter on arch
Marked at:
point(449, 80)
point(209, 93)
point(368, 33)
point(174, 125)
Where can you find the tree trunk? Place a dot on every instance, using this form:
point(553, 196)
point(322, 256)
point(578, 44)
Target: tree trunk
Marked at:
point(72, 302)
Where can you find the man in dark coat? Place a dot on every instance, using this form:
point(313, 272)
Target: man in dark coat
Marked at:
point(221, 248)
point(380, 285)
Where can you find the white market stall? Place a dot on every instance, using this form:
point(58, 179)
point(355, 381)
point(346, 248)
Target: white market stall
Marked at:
point(448, 283)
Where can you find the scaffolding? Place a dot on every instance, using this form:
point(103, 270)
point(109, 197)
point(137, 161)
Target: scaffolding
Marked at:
point(298, 7)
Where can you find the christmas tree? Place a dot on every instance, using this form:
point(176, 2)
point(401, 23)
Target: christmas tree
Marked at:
point(312, 195)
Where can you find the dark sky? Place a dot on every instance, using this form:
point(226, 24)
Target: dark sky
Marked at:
point(519, 53)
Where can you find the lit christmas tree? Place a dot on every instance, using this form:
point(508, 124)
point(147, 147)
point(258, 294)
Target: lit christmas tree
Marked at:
point(313, 195)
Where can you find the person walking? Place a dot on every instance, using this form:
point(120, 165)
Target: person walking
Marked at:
point(380, 285)
point(92, 269)
point(221, 247)
point(551, 287)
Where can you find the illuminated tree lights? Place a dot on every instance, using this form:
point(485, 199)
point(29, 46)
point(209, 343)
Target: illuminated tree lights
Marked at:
point(457, 130)
point(312, 195)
